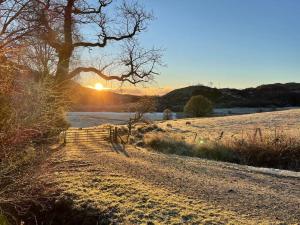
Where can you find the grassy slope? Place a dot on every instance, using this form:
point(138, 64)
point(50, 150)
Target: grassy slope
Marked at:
point(263, 139)
point(138, 186)
point(282, 121)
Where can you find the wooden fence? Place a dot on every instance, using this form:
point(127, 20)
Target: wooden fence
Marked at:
point(93, 135)
point(86, 135)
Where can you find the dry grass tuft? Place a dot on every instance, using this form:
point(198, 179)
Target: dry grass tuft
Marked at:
point(20, 187)
point(277, 150)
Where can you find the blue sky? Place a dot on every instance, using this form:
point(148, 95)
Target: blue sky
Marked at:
point(231, 43)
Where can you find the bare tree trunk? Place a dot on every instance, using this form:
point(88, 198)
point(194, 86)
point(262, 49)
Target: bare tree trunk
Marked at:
point(67, 48)
point(59, 24)
point(63, 65)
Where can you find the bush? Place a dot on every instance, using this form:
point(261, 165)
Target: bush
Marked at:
point(280, 151)
point(167, 114)
point(31, 113)
point(3, 220)
point(34, 111)
point(5, 111)
point(175, 145)
point(277, 151)
point(198, 106)
point(168, 144)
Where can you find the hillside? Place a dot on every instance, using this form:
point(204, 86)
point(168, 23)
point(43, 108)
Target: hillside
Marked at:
point(87, 99)
point(108, 184)
point(271, 95)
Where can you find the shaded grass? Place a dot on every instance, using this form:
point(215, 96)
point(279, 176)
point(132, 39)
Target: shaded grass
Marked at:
point(278, 151)
point(19, 186)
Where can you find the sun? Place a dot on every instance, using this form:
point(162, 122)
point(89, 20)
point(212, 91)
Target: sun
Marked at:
point(99, 86)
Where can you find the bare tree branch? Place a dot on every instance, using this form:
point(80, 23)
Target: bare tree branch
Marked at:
point(92, 10)
point(139, 65)
point(134, 19)
point(61, 25)
point(11, 30)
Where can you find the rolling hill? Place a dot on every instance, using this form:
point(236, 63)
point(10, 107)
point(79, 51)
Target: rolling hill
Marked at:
point(87, 99)
point(270, 95)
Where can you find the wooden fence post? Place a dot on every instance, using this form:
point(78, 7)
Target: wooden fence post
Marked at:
point(129, 126)
point(116, 135)
point(110, 134)
point(65, 137)
point(258, 132)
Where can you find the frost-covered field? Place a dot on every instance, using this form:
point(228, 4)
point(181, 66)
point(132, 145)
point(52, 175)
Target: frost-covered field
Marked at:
point(90, 119)
point(287, 121)
point(137, 186)
point(247, 110)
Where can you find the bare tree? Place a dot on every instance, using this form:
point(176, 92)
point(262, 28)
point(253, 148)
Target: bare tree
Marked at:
point(63, 26)
point(11, 27)
point(38, 56)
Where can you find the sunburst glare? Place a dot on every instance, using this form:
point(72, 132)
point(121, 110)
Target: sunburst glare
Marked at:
point(99, 86)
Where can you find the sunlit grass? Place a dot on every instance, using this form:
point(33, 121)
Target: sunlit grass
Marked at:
point(137, 202)
point(263, 139)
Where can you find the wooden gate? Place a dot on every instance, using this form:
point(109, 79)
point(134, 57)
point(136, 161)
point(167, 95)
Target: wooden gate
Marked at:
point(84, 135)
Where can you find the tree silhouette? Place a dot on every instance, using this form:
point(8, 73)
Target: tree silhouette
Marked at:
point(67, 27)
point(11, 27)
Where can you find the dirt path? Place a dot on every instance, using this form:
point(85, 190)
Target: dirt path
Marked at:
point(138, 186)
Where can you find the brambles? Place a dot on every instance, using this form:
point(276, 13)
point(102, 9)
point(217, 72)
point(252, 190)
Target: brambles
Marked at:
point(175, 144)
point(270, 150)
point(32, 112)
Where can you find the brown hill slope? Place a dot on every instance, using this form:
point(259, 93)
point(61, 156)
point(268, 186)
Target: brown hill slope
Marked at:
point(271, 95)
point(87, 99)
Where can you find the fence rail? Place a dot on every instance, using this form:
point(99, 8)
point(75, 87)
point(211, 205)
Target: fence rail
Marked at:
point(103, 134)
point(86, 135)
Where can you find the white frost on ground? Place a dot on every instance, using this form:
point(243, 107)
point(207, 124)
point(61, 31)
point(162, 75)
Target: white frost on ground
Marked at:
point(277, 172)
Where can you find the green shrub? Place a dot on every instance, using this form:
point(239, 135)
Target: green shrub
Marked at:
point(167, 114)
point(3, 220)
point(198, 106)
